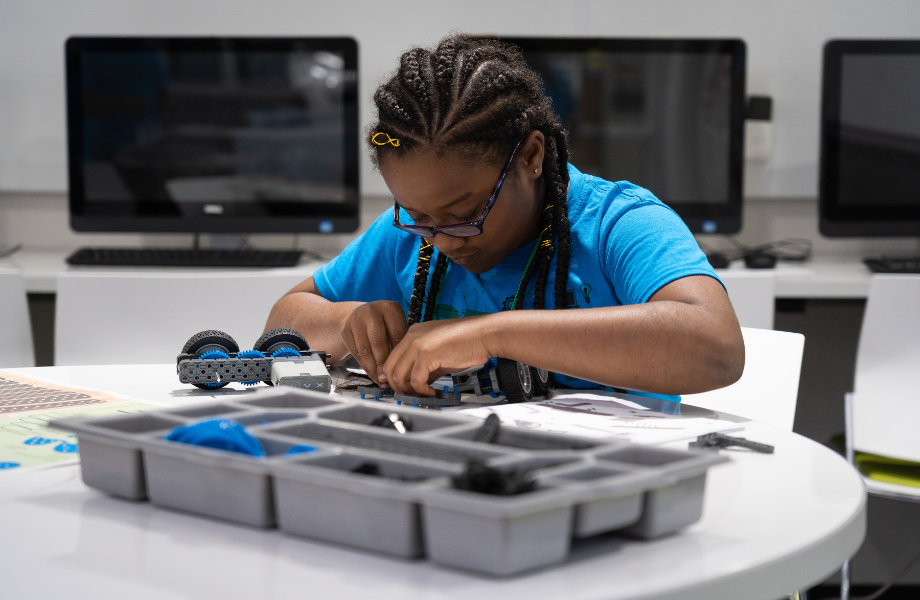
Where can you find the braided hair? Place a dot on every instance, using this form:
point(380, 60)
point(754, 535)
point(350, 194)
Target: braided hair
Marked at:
point(478, 96)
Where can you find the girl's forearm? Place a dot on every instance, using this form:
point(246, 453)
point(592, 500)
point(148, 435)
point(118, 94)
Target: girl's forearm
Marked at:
point(660, 347)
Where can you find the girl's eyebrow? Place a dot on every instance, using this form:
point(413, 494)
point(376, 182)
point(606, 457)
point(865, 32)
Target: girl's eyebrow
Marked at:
point(447, 205)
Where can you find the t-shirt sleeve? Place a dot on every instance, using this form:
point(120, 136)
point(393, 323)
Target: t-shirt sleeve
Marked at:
point(366, 270)
point(648, 246)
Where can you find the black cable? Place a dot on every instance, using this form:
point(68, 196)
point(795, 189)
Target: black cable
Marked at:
point(790, 249)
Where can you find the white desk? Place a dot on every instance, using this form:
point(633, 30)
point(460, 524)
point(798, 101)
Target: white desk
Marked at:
point(772, 524)
point(822, 277)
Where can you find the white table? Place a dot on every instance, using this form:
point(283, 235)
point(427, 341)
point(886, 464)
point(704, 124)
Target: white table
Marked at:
point(771, 524)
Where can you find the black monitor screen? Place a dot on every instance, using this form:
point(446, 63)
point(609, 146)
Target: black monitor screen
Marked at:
point(663, 114)
point(212, 134)
point(870, 175)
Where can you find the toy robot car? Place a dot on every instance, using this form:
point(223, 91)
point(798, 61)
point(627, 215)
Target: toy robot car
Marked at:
point(211, 359)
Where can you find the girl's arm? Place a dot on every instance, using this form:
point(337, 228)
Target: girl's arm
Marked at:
point(684, 340)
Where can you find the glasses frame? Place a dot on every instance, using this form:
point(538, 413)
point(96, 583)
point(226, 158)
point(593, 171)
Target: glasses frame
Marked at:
point(425, 231)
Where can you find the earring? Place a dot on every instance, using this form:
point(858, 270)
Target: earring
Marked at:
point(536, 170)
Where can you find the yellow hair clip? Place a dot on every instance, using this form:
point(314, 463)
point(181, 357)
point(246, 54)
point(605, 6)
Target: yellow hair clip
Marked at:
point(392, 141)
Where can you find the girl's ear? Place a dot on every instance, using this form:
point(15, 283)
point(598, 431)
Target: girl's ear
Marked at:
point(532, 149)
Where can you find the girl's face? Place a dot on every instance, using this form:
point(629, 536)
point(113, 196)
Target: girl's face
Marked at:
point(444, 190)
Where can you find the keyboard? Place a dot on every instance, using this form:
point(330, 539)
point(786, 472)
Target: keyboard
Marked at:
point(894, 265)
point(169, 257)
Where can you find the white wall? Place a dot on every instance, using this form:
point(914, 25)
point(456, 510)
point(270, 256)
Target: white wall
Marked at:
point(784, 38)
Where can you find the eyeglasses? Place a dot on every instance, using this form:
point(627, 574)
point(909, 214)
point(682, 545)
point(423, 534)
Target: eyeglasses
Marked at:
point(460, 229)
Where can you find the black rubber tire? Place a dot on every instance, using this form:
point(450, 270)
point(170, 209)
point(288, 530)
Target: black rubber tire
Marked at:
point(514, 380)
point(211, 337)
point(540, 379)
point(282, 335)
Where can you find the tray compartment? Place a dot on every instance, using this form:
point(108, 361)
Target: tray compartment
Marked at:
point(205, 411)
point(669, 508)
point(543, 463)
point(110, 451)
point(677, 500)
point(290, 400)
point(606, 498)
point(422, 420)
point(522, 439)
point(320, 497)
point(647, 456)
point(386, 442)
point(501, 535)
point(214, 483)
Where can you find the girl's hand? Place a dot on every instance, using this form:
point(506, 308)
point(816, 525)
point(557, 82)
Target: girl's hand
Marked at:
point(430, 350)
point(370, 331)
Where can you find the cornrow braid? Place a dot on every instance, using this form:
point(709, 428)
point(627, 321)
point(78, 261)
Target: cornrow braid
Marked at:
point(479, 97)
point(437, 280)
point(421, 276)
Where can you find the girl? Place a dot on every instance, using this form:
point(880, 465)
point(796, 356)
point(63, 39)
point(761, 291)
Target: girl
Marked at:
point(490, 227)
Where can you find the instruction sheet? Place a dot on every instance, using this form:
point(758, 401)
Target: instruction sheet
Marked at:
point(635, 419)
point(28, 405)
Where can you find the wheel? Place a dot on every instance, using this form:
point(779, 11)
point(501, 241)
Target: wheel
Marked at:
point(540, 378)
point(514, 380)
point(212, 339)
point(283, 337)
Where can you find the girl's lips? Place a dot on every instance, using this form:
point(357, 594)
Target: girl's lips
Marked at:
point(462, 259)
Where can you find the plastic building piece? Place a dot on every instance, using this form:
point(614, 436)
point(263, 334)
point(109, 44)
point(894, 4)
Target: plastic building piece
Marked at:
point(393, 421)
point(719, 440)
point(212, 359)
point(478, 477)
point(222, 434)
point(307, 372)
point(488, 432)
point(441, 398)
point(376, 392)
point(367, 468)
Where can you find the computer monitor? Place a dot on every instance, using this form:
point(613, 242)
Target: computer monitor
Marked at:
point(235, 135)
point(666, 114)
point(870, 138)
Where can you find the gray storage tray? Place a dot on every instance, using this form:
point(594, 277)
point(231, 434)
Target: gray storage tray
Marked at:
point(319, 497)
point(586, 486)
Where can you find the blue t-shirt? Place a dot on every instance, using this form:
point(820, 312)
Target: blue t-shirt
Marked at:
point(625, 245)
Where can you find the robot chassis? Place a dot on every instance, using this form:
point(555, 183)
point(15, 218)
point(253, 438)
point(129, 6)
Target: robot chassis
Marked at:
point(212, 359)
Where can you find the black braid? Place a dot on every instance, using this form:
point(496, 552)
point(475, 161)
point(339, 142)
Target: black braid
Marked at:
point(478, 96)
point(561, 214)
point(421, 276)
point(439, 268)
